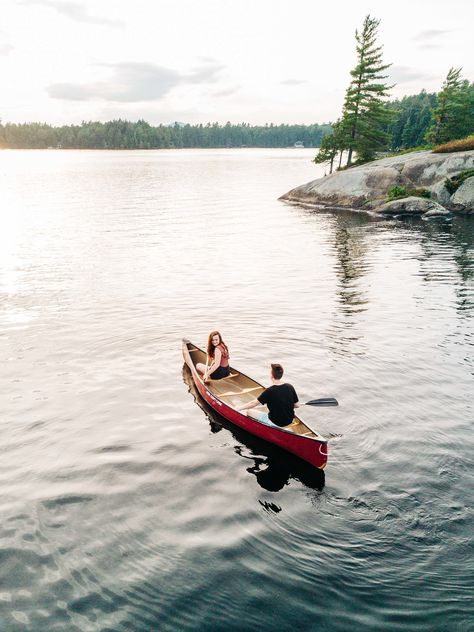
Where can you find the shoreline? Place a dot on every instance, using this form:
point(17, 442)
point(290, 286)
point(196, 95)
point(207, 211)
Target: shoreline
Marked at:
point(416, 183)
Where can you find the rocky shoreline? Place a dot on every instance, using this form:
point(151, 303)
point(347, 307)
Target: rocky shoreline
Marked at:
point(366, 187)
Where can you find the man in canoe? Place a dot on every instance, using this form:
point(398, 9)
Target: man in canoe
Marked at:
point(217, 365)
point(280, 398)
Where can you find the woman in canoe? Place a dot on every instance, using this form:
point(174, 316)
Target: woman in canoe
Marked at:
point(217, 365)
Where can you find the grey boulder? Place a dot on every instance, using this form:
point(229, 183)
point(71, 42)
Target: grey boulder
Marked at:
point(412, 206)
point(463, 198)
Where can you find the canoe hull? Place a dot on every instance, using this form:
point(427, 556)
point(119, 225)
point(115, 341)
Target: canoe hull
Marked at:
point(309, 449)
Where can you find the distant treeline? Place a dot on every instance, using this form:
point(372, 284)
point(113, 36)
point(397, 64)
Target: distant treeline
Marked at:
point(411, 119)
point(121, 134)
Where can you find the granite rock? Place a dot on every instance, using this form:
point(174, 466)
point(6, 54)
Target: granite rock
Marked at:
point(365, 187)
point(463, 198)
point(412, 206)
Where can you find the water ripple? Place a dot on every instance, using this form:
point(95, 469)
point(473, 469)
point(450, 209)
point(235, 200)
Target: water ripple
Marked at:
point(127, 503)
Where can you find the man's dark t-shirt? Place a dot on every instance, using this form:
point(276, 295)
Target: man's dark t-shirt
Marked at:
point(281, 402)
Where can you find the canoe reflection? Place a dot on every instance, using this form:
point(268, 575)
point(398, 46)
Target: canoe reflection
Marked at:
point(272, 467)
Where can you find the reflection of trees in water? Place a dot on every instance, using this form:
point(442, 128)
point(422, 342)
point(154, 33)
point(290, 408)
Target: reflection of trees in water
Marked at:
point(447, 258)
point(350, 248)
point(461, 230)
point(441, 242)
point(272, 467)
point(444, 242)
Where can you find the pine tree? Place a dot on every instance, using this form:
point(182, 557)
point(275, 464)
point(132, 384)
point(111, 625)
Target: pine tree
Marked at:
point(453, 116)
point(411, 119)
point(331, 144)
point(365, 113)
point(446, 104)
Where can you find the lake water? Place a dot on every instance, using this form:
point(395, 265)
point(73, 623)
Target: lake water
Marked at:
point(126, 505)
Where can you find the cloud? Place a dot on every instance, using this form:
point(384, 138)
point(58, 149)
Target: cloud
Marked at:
point(132, 82)
point(429, 46)
point(205, 60)
point(430, 34)
point(404, 74)
point(226, 92)
point(206, 74)
point(293, 82)
point(5, 49)
point(75, 11)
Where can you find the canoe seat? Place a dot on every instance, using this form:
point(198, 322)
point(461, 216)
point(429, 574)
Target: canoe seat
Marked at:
point(223, 379)
point(244, 390)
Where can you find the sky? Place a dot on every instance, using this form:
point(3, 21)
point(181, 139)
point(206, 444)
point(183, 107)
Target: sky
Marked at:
point(199, 61)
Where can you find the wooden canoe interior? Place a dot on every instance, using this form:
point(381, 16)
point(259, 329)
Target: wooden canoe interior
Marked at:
point(238, 389)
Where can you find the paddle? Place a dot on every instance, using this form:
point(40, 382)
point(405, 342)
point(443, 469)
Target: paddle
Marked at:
point(324, 401)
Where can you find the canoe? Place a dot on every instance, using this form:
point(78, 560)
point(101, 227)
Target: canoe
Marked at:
point(227, 395)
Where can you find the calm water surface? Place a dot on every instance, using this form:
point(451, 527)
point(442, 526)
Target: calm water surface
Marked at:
point(127, 505)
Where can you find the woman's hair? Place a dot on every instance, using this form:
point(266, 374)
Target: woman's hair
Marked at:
point(210, 346)
point(277, 371)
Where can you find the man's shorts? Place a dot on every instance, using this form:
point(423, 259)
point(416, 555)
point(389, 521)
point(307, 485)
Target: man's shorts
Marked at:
point(265, 419)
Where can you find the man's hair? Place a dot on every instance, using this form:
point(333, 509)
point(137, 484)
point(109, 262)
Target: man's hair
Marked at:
point(277, 371)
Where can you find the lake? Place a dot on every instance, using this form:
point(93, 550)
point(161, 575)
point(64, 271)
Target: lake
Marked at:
point(126, 504)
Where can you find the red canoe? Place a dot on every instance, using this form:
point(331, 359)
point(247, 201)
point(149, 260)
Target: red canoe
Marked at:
point(227, 395)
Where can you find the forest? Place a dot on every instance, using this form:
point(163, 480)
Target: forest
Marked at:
point(122, 134)
point(408, 123)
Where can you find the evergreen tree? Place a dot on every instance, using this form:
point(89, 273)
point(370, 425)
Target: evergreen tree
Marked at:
point(444, 111)
point(365, 113)
point(331, 144)
point(411, 118)
point(454, 114)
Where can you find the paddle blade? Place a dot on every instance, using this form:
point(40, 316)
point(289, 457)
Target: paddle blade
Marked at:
point(324, 401)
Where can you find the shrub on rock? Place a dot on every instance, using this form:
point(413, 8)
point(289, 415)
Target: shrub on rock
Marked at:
point(463, 144)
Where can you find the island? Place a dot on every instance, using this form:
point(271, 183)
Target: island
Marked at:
point(416, 183)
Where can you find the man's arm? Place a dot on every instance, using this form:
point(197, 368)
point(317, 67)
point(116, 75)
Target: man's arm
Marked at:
point(251, 404)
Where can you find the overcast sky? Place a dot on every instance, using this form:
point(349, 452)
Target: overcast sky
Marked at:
point(257, 61)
